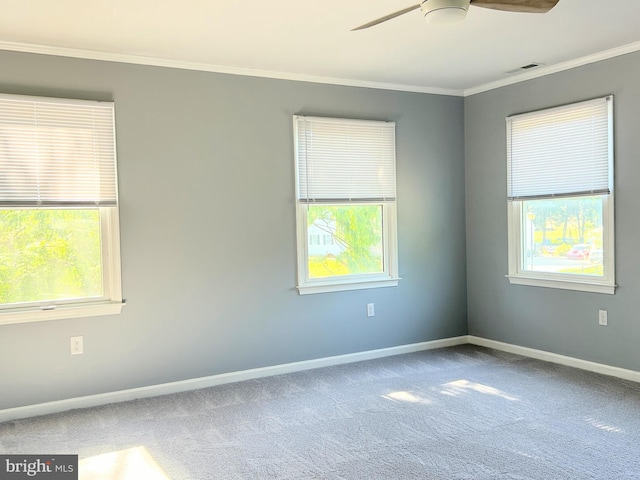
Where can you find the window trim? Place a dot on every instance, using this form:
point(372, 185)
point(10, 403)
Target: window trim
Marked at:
point(605, 284)
point(517, 276)
point(111, 301)
point(387, 278)
point(110, 304)
point(383, 194)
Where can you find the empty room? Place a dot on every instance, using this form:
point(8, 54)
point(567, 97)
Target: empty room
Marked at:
point(342, 240)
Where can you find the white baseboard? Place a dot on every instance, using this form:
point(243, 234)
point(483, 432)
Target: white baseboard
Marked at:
point(555, 358)
point(213, 380)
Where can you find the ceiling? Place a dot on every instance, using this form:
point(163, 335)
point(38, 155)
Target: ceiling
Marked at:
point(313, 41)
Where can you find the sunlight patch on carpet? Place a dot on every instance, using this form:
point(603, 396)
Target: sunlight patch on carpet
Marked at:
point(406, 397)
point(603, 426)
point(461, 386)
point(131, 464)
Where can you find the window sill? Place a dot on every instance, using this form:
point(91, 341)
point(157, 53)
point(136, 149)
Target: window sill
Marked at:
point(326, 287)
point(60, 312)
point(591, 287)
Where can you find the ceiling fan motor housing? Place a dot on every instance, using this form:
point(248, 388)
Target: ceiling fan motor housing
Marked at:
point(444, 11)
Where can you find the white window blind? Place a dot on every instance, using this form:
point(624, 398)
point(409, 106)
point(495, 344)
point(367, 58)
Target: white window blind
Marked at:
point(342, 160)
point(56, 152)
point(562, 151)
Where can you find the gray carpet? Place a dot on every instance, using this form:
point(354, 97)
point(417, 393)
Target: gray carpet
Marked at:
point(457, 413)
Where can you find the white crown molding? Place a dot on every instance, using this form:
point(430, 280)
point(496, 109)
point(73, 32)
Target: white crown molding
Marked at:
point(558, 67)
point(206, 67)
point(251, 72)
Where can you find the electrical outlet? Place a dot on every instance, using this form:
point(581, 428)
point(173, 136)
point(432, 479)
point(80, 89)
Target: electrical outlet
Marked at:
point(77, 345)
point(370, 310)
point(602, 318)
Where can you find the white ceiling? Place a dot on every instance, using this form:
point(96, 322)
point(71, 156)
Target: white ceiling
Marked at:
point(312, 41)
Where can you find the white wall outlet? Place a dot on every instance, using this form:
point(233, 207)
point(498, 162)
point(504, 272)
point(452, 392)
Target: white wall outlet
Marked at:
point(77, 345)
point(602, 318)
point(370, 310)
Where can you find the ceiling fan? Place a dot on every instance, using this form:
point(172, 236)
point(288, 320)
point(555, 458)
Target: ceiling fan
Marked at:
point(451, 11)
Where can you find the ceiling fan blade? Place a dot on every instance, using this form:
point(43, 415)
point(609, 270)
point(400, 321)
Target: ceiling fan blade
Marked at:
point(387, 17)
point(526, 6)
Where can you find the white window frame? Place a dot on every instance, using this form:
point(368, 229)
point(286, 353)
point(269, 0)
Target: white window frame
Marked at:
point(111, 301)
point(388, 277)
point(606, 284)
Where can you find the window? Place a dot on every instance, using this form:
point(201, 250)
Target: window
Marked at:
point(346, 196)
point(59, 235)
point(560, 195)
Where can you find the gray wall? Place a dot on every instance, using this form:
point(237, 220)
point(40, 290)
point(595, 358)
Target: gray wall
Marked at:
point(558, 321)
point(208, 242)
